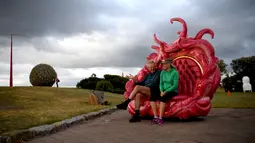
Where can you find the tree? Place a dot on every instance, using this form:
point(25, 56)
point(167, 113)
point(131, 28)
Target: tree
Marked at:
point(222, 65)
point(245, 66)
point(104, 85)
point(227, 85)
point(93, 75)
point(117, 83)
point(232, 83)
point(88, 83)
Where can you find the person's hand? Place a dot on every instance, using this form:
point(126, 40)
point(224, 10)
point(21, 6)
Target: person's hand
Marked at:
point(130, 76)
point(162, 94)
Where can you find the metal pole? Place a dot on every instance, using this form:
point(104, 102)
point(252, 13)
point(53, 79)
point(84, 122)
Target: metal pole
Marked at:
point(11, 76)
point(11, 63)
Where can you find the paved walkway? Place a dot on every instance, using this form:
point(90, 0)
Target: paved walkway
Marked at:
point(221, 126)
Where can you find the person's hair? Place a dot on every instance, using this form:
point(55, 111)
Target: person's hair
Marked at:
point(151, 62)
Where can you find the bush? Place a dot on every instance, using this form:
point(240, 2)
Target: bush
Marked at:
point(88, 83)
point(42, 75)
point(232, 84)
point(118, 82)
point(104, 85)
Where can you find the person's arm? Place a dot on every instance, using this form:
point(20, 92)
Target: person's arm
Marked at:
point(142, 83)
point(155, 80)
point(175, 84)
point(135, 79)
point(161, 82)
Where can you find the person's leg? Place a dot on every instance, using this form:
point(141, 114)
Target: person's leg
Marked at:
point(124, 105)
point(154, 109)
point(138, 89)
point(168, 96)
point(137, 101)
point(162, 106)
point(134, 92)
point(136, 117)
point(155, 95)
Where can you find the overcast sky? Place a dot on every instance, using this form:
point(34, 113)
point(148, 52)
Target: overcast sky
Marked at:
point(81, 37)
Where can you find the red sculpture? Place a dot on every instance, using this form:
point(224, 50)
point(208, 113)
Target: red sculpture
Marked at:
point(195, 60)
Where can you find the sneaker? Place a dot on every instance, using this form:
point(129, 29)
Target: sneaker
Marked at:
point(154, 121)
point(122, 106)
point(135, 119)
point(160, 121)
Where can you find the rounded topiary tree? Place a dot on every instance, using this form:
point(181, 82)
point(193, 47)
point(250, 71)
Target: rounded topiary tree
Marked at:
point(42, 75)
point(104, 85)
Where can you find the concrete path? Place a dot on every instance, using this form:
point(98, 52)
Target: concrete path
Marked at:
point(221, 126)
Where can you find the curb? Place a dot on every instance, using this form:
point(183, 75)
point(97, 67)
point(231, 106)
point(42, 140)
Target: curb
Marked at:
point(39, 131)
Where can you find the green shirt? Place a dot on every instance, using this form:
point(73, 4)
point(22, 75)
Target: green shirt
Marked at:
point(169, 80)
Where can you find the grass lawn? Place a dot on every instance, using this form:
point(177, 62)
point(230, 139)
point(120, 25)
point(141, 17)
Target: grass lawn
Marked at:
point(24, 107)
point(235, 100)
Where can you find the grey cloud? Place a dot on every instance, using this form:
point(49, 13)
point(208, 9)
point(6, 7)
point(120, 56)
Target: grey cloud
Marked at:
point(3, 41)
point(18, 69)
point(4, 69)
point(54, 17)
point(231, 20)
point(123, 58)
point(226, 8)
point(236, 20)
point(59, 18)
point(17, 40)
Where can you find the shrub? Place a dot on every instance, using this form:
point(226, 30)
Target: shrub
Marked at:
point(88, 83)
point(42, 75)
point(118, 82)
point(104, 85)
point(232, 84)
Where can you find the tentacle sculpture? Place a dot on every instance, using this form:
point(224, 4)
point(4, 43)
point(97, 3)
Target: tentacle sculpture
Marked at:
point(196, 62)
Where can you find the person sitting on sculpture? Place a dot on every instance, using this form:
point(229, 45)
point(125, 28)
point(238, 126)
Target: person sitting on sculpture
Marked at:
point(169, 78)
point(149, 86)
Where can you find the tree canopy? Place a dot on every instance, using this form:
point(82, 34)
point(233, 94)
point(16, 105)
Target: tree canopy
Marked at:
point(244, 66)
point(222, 66)
point(110, 83)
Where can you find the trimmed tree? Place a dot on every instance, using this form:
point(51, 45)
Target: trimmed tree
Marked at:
point(42, 75)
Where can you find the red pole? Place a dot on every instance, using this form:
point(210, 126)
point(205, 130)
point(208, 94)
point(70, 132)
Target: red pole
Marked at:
point(11, 82)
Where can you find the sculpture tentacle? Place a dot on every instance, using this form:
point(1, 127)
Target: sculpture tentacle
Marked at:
point(196, 62)
point(202, 32)
point(157, 40)
point(184, 31)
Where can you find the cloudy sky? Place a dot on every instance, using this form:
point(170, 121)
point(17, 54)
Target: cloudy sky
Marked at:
point(81, 37)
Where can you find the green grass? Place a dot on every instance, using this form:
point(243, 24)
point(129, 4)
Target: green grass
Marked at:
point(235, 100)
point(24, 107)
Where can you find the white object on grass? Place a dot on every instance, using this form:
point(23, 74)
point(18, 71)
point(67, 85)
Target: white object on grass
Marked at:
point(246, 84)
